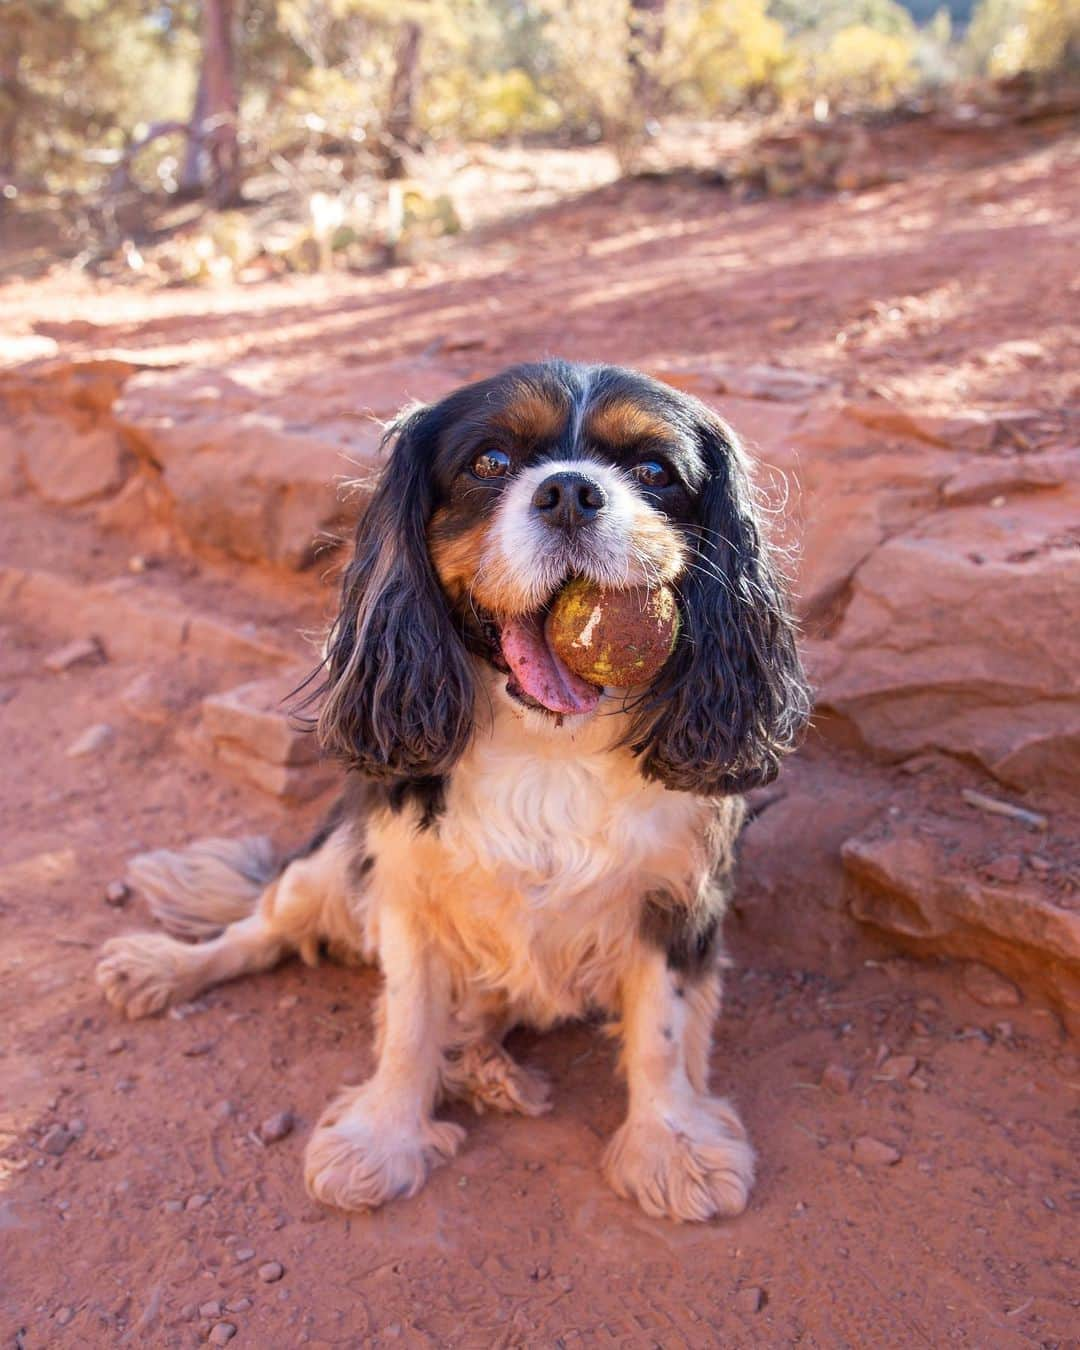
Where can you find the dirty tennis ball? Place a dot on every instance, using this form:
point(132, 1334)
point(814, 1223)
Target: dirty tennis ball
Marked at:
point(617, 638)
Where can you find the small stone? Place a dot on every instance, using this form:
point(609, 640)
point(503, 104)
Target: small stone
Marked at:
point(115, 1045)
point(989, 988)
point(189, 1312)
point(1007, 867)
point(276, 1127)
point(211, 1308)
point(224, 1110)
point(92, 740)
point(197, 1201)
point(271, 1271)
point(117, 894)
point(750, 1300)
point(173, 1206)
point(1039, 864)
point(837, 1079)
point(222, 1334)
point(870, 1152)
point(238, 1305)
point(125, 1085)
point(199, 1048)
point(64, 1316)
point(80, 652)
point(57, 1141)
point(919, 1083)
point(76, 1128)
point(243, 1254)
point(137, 564)
point(899, 1067)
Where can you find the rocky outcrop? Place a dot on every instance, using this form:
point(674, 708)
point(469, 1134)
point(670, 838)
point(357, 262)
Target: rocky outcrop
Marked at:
point(921, 882)
point(262, 468)
point(961, 636)
point(251, 731)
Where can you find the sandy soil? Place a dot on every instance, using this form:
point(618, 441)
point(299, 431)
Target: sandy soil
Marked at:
point(149, 1216)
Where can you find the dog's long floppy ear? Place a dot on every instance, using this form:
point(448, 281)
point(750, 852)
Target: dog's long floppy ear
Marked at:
point(732, 701)
point(398, 686)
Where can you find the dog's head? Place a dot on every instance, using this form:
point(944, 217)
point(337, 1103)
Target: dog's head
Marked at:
point(490, 502)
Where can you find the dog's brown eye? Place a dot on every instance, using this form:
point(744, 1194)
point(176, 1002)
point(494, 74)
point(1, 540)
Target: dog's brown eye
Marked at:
point(491, 464)
point(651, 473)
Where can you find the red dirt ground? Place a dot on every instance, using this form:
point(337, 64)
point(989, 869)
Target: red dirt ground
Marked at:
point(952, 287)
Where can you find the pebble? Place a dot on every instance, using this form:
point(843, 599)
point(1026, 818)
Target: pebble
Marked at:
point(243, 1254)
point(276, 1127)
point(115, 1045)
point(837, 1079)
point(92, 740)
point(898, 1067)
point(750, 1300)
point(75, 653)
point(271, 1271)
point(65, 1315)
point(224, 1110)
point(197, 1201)
point(989, 988)
point(870, 1152)
point(199, 1048)
point(173, 1206)
point(211, 1308)
point(1007, 867)
point(222, 1334)
point(57, 1141)
point(1040, 864)
point(117, 894)
point(238, 1305)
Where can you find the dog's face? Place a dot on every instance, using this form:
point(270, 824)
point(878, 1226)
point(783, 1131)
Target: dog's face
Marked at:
point(492, 500)
point(553, 474)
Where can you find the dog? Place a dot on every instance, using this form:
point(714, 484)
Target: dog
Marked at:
point(514, 845)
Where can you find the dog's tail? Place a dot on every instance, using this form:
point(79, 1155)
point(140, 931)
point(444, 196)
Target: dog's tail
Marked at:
point(197, 891)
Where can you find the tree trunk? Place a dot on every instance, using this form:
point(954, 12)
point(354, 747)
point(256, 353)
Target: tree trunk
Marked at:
point(646, 39)
point(10, 100)
point(401, 112)
point(214, 121)
point(191, 171)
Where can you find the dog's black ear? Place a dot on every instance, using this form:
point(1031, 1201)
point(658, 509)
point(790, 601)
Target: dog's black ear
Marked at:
point(732, 700)
point(398, 687)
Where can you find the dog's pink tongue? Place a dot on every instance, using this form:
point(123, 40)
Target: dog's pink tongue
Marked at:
point(539, 671)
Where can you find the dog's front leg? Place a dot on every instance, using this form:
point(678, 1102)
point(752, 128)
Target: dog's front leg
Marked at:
point(379, 1140)
point(681, 1153)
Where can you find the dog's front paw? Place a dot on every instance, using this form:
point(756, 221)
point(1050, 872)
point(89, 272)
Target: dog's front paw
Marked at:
point(692, 1163)
point(142, 973)
point(359, 1157)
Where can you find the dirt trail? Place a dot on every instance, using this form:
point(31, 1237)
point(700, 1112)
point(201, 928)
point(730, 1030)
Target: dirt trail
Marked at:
point(138, 1202)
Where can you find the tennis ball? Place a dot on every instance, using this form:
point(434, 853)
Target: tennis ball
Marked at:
point(617, 638)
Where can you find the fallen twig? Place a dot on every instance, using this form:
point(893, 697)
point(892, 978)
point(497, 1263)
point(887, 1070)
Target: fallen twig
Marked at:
point(997, 808)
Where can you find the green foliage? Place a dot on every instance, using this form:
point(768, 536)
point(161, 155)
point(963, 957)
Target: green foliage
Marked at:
point(1009, 36)
point(83, 81)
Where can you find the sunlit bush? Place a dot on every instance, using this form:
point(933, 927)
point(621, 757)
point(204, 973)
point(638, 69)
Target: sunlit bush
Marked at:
point(1009, 36)
point(863, 66)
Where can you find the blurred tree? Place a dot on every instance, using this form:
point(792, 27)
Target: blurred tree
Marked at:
point(400, 124)
point(212, 162)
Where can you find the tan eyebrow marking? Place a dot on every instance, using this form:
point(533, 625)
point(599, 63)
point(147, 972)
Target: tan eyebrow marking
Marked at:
point(532, 414)
point(625, 421)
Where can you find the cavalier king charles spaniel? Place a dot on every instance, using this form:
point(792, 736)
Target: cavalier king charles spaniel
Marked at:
point(514, 845)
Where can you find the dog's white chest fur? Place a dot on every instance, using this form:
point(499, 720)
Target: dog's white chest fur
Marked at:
point(534, 881)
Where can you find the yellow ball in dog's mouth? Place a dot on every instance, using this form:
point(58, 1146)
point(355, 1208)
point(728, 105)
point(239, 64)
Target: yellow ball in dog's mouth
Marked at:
point(616, 638)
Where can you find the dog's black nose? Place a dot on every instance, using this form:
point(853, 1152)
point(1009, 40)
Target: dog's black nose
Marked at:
point(568, 499)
